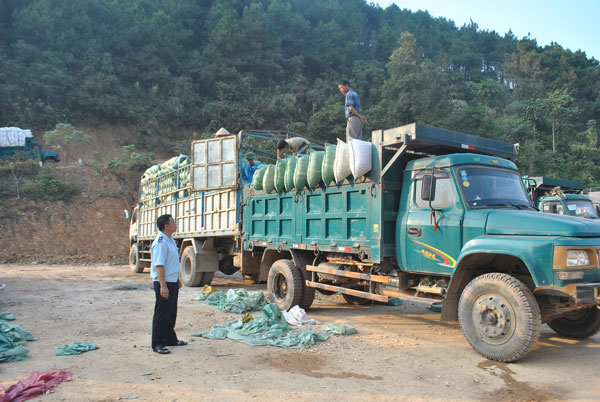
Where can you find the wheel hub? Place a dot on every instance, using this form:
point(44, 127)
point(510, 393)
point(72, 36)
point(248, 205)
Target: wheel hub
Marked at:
point(492, 316)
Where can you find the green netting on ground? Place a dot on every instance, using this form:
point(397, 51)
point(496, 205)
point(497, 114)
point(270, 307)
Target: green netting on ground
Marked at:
point(6, 316)
point(237, 301)
point(12, 338)
point(270, 329)
point(75, 348)
point(339, 329)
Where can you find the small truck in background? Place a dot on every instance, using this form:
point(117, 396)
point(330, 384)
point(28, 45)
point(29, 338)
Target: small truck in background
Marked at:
point(563, 197)
point(16, 142)
point(441, 216)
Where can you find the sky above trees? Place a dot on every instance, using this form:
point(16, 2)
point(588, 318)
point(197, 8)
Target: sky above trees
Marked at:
point(572, 24)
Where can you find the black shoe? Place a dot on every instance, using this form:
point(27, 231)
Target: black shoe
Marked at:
point(161, 350)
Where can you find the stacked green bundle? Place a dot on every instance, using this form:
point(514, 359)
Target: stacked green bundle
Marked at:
point(327, 166)
point(300, 172)
point(184, 175)
point(313, 174)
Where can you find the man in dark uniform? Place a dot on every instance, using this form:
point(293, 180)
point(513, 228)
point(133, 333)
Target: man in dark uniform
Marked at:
point(165, 276)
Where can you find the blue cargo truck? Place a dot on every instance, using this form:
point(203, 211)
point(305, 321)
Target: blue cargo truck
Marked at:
point(18, 143)
point(441, 217)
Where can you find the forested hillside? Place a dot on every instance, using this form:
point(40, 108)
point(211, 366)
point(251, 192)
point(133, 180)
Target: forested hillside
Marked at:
point(167, 67)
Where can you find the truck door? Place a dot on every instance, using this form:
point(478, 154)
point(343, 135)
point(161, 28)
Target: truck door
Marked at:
point(432, 245)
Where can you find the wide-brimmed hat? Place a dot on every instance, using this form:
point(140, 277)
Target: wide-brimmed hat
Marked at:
point(250, 155)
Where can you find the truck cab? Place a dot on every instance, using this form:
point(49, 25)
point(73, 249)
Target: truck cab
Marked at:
point(563, 197)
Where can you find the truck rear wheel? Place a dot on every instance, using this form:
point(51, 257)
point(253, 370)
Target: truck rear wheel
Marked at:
point(134, 261)
point(284, 283)
point(189, 275)
point(500, 317)
point(308, 294)
point(579, 324)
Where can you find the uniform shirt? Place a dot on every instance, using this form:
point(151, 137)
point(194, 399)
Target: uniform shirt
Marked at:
point(165, 252)
point(353, 100)
point(248, 171)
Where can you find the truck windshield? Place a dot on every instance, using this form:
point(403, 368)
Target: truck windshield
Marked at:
point(493, 188)
point(581, 208)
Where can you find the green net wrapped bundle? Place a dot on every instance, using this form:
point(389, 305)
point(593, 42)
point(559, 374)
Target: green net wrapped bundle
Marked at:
point(327, 166)
point(300, 180)
point(313, 175)
point(280, 175)
point(257, 179)
point(269, 179)
point(290, 167)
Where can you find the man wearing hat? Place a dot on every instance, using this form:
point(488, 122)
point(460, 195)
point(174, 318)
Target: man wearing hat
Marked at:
point(249, 168)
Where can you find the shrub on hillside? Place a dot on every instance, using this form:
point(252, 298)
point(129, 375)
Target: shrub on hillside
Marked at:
point(47, 187)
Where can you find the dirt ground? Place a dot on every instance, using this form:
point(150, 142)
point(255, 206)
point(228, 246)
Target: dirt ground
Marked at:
point(399, 353)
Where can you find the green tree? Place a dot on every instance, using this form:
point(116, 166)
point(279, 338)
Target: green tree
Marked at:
point(558, 107)
point(66, 138)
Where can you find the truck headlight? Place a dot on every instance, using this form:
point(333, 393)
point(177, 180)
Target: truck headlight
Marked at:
point(577, 258)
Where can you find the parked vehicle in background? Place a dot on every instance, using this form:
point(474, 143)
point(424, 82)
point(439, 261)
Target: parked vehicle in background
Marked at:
point(563, 197)
point(441, 216)
point(16, 142)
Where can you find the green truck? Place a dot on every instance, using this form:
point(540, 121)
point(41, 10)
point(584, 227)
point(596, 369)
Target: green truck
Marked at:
point(441, 217)
point(563, 197)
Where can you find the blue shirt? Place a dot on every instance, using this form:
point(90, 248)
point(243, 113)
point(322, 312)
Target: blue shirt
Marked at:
point(248, 171)
point(353, 100)
point(165, 252)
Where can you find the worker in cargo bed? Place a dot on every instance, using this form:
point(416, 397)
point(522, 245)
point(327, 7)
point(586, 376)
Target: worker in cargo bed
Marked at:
point(297, 145)
point(164, 272)
point(354, 118)
point(249, 168)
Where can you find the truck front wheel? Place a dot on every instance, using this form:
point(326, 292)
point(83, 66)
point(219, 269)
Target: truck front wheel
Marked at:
point(189, 275)
point(284, 283)
point(134, 261)
point(500, 317)
point(578, 324)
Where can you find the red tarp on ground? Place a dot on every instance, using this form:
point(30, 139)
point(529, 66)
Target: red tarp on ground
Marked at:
point(37, 383)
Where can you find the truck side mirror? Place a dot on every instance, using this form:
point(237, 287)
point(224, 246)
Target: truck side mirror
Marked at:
point(126, 214)
point(428, 188)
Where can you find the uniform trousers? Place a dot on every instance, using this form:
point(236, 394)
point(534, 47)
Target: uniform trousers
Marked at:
point(165, 315)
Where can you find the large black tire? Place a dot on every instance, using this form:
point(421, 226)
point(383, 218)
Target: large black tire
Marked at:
point(356, 301)
point(134, 261)
point(284, 283)
point(308, 294)
point(579, 324)
point(500, 317)
point(189, 276)
point(50, 162)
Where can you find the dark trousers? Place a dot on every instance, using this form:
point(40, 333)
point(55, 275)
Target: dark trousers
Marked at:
point(165, 314)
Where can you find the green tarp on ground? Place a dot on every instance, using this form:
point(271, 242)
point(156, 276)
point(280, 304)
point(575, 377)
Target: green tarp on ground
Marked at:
point(270, 329)
point(6, 316)
point(339, 329)
point(12, 338)
point(237, 301)
point(76, 348)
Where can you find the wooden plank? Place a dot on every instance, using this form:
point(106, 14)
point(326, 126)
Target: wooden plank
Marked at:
point(349, 274)
point(352, 292)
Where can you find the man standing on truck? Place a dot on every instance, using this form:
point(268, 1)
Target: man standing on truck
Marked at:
point(297, 145)
point(164, 272)
point(354, 118)
point(249, 167)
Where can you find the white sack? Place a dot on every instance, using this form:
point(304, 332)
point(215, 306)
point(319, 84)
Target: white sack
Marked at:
point(297, 316)
point(341, 164)
point(13, 136)
point(360, 157)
